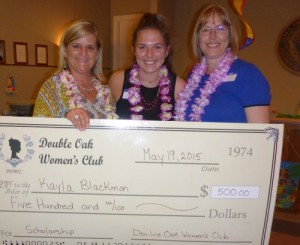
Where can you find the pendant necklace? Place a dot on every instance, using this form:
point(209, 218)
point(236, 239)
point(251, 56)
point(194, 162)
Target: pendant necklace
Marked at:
point(149, 82)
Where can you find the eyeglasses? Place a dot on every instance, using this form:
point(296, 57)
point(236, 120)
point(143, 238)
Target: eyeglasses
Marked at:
point(219, 30)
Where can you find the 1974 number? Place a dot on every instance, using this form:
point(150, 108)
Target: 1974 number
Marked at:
point(240, 151)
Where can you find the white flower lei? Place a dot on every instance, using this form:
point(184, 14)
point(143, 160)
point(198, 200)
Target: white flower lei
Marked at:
point(75, 97)
point(215, 79)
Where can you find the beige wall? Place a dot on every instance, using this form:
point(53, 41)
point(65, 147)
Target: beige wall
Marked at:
point(124, 7)
point(42, 21)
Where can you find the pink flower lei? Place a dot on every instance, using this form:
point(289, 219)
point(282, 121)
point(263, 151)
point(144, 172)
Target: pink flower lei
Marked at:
point(135, 97)
point(215, 79)
point(75, 97)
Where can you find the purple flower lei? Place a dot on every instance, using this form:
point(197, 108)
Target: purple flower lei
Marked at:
point(215, 79)
point(135, 98)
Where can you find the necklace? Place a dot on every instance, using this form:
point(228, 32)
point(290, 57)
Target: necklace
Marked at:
point(76, 98)
point(149, 82)
point(215, 79)
point(87, 91)
point(135, 96)
point(151, 104)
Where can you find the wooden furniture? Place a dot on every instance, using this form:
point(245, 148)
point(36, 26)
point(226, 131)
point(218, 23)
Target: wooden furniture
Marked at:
point(289, 220)
point(21, 108)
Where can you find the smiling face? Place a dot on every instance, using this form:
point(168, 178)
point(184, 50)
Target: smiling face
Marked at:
point(214, 39)
point(150, 52)
point(81, 55)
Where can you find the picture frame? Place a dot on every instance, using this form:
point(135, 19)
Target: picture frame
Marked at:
point(2, 52)
point(289, 46)
point(21, 53)
point(41, 55)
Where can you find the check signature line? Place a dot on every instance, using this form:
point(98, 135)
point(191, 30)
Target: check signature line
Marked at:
point(158, 204)
point(112, 214)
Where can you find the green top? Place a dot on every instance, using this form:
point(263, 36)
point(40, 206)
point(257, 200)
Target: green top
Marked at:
point(52, 101)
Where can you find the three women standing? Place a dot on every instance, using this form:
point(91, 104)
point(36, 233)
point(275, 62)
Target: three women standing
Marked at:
point(220, 88)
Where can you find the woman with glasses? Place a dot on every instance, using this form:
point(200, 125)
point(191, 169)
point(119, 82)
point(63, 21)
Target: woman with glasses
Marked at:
point(221, 87)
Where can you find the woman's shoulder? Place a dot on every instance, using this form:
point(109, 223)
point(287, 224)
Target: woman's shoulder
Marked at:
point(104, 88)
point(240, 63)
point(52, 82)
point(247, 71)
point(118, 74)
point(175, 78)
point(245, 67)
point(116, 78)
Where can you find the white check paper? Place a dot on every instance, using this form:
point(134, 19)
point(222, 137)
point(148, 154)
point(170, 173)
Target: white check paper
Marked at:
point(137, 182)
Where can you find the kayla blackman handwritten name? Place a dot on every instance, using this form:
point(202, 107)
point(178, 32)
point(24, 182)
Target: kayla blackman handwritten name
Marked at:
point(65, 143)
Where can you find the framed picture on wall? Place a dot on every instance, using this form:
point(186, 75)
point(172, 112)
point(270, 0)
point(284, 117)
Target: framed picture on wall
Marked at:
point(41, 55)
point(2, 52)
point(289, 46)
point(21, 53)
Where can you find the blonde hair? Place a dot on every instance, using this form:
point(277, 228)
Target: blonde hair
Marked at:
point(76, 30)
point(214, 10)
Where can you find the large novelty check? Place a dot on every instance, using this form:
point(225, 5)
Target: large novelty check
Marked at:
point(137, 183)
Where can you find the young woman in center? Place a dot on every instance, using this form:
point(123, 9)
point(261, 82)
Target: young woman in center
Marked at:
point(148, 89)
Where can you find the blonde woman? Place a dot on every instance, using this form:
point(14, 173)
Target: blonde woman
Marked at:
point(77, 91)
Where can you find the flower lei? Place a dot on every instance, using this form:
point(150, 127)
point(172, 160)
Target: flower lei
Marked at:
point(75, 97)
point(135, 98)
point(215, 79)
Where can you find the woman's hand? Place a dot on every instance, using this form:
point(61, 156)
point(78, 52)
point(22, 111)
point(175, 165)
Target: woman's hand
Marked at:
point(79, 117)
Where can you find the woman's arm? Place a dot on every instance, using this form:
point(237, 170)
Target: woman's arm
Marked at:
point(258, 114)
point(47, 101)
point(115, 84)
point(178, 86)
